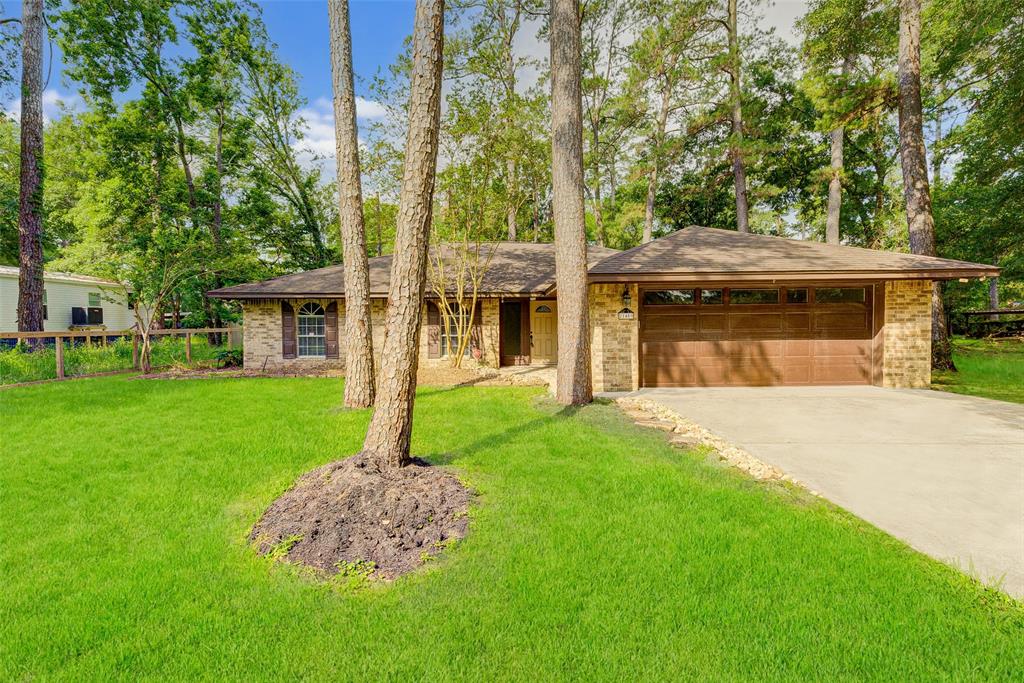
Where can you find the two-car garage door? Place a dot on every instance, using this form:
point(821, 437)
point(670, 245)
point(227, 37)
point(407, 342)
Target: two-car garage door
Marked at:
point(756, 336)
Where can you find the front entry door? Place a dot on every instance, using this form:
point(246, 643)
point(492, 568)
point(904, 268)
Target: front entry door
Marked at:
point(544, 328)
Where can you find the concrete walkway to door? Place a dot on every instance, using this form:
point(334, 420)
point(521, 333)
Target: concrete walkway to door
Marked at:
point(941, 471)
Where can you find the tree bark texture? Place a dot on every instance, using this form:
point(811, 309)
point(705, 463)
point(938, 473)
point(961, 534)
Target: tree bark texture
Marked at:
point(387, 438)
point(30, 197)
point(652, 177)
point(573, 380)
point(359, 371)
point(739, 169)
point(913, 158)
point(835, 183)
point(511, 217)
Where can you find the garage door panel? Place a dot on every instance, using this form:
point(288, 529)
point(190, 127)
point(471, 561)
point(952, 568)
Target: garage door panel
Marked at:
point(797, 348)
point(860, 348)
point(757, 345)
point(840, 321)
point(712, 373)
point(675, 375)
point(671, 323)
point(669, 351)
point(840, 371)
point(713, 322)
point(795, 323)
point(755, 322)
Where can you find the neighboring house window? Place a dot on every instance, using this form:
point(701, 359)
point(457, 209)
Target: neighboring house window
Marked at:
point(46, 309)
point(312, 331)
point(95, 300)
point(450, 336)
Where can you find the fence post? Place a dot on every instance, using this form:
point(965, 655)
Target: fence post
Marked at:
point(230, 339)
point(188, 347)
point(58, 347)
point(135, 351)
point(88, 341)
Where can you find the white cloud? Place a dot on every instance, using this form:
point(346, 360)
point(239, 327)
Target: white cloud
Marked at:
point(317, 148)
point(54, 103)
point(368, 109)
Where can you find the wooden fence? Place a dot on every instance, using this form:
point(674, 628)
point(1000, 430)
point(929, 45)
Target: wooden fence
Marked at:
point(231, 334)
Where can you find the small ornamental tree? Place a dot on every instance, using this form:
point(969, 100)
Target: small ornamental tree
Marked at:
point(455, 271)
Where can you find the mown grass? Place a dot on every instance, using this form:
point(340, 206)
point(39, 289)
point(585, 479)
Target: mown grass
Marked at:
point(23, 364)
point(992, 368)
point(595, 552)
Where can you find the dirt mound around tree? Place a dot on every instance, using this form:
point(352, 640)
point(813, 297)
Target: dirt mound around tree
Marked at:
point(353, 512)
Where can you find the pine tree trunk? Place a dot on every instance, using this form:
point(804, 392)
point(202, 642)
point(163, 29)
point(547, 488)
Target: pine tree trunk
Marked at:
point(913, 158)
point(359, 371)
point(510, 204)
point(30, 198)
point(387, 438)
point(595, 144)
point(379, 215)
point(573, 382)
point(739, 170)
point(835, 183)
point(652, 177)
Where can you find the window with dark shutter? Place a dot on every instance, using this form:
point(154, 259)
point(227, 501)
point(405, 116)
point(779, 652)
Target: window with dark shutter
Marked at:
point(433, 331)
point(331, 331)
point(288, 346)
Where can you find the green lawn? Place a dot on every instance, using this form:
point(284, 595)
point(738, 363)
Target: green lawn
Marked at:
point(993, 368)
point(596, 552)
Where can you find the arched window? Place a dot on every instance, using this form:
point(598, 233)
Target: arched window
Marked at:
point(312, 330)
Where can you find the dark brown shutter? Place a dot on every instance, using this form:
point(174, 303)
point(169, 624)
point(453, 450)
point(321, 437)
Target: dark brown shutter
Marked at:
point(331, 330)
point(287, 330)
point(433, 331)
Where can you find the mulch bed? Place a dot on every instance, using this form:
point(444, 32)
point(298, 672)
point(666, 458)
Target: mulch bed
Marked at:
point(355, 511)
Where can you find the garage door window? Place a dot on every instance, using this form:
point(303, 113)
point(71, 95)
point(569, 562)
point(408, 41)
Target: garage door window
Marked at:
point(839, 295)
point(712, 297)
point(796, 296)
point(753, 296)
point(669, 297)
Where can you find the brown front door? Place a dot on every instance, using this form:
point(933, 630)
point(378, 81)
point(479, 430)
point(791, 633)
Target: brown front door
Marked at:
point(756, 336)
point(544, 332)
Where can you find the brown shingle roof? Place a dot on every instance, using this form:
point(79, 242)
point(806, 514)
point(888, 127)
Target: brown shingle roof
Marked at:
point(696, 252)
point(517, 268)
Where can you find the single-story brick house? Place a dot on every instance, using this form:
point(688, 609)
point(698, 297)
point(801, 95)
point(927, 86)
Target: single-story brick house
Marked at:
point(700, 307)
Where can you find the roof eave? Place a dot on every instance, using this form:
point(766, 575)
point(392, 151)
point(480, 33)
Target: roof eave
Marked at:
point(761, 276)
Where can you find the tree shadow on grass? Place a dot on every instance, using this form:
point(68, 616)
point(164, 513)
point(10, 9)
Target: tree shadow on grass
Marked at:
point(500, 438)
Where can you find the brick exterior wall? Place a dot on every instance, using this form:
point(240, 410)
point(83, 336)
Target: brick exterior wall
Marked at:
point(614, 350)
point(907, 341)
point(262, 337)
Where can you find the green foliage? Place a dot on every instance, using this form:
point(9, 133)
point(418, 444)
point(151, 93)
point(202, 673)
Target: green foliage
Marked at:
point(279, 553)
point(131, 499)
point(23, 364)
point(229, 358)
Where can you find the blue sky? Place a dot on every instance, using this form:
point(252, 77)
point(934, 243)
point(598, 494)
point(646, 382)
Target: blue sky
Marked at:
point(299, 28)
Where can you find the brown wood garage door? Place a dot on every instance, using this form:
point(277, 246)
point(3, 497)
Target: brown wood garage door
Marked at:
point(756, 336)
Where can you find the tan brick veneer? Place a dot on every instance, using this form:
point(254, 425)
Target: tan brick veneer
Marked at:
point(907, 350)
point(613, 342)
point(262, 336)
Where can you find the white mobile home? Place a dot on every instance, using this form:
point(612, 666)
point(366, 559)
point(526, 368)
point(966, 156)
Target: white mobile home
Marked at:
point(70, 301)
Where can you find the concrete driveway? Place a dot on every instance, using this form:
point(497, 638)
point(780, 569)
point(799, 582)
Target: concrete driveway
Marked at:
point(941, 471)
